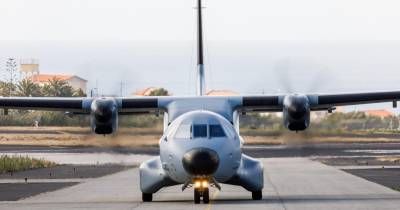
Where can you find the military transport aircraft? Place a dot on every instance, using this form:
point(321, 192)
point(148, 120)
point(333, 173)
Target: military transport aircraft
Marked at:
point(201, 145)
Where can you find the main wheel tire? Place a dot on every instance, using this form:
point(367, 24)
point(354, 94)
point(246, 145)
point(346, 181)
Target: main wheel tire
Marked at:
point(206, 196)
point(196, 196)
point(147, 197)
point(257, 195)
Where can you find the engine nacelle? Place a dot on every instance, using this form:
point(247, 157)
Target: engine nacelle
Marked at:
point(296, 112)
point(104, 115)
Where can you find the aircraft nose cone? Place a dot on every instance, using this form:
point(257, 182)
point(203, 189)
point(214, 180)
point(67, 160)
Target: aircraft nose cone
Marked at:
point(200, 161)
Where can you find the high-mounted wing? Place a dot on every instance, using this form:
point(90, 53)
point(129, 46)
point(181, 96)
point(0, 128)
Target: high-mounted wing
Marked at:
point(80, 105)
point(50, 103)
point(333, 100)
point(138, 105)
point(318, 101)
point(103, 111)
point(133, 105)
point(296, 108)
point(261, 104)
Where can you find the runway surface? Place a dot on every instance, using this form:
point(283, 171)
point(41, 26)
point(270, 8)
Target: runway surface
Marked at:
point(259, 151)
point(290, 183)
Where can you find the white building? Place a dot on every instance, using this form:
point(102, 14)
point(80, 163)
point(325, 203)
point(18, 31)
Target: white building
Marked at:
point(74, 81)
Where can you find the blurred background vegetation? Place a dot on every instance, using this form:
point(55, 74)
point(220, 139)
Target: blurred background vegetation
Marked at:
point(250, 123)
point(254, 123)
point(338, 122)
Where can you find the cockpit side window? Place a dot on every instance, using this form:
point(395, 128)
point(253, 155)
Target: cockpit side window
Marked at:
point(200, 131)
point(216, 131)
point(184, 131)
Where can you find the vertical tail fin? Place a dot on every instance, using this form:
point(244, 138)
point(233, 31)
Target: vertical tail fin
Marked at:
point(201, 86)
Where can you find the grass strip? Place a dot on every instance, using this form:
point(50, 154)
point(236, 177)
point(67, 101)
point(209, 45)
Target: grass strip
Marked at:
point(15, 163)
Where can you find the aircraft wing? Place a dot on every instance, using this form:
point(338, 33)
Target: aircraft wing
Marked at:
point(79, 105)
point(139, 105)
point(142, 105)
point(47, 103)
point(318, 101)
point(262, 103)
point(333, 100)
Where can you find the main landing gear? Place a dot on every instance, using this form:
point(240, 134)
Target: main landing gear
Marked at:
point(147, 197)
point(256, 195)
point(201, 190)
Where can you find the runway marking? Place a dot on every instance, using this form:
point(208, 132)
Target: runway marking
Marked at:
point(276, 191)
point(365, 167)
point(215, 194)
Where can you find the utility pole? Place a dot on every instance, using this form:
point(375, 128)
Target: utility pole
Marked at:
point(121, 88)
point(398, 122)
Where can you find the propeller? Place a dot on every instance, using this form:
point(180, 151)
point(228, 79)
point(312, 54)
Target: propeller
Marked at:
point(292, 71)
point(302, 71)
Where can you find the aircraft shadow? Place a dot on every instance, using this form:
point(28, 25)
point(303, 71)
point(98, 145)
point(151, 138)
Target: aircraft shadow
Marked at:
point(297, 199)
point(309, 199)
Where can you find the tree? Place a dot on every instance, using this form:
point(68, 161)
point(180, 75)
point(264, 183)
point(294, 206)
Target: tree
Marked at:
point(11, 68)
point(4, 88)
point(28, 89)
point(159, 92)
point(67, 91)
point(57, 88)
point(79, 93)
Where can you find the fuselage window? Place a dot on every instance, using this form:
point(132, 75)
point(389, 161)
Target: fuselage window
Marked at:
point(217, 131)
point(200, 131)
point(184, 132)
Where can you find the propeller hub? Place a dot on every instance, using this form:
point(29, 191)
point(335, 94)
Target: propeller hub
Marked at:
point(297, 106)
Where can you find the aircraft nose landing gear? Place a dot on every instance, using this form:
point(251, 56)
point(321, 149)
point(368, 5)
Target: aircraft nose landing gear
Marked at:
point(198, 193)
point(201, 191)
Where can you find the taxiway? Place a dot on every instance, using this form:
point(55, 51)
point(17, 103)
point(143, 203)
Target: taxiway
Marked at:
point(290, 183)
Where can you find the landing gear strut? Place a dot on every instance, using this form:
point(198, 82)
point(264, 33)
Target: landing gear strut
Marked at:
point(201, 192)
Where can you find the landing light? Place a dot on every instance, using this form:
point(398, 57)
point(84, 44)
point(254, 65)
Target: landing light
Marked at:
point(197, 184)
point(204, 184)
point(201, 184)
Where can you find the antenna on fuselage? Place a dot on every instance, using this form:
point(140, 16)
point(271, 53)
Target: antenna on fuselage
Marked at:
point(200, 80)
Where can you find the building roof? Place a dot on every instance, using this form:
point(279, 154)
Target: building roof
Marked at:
point(222, 93)
point(379, 113)
point(47, 77)
point(144, 92)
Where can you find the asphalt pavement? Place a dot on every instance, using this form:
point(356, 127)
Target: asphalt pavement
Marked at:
point(290, 183)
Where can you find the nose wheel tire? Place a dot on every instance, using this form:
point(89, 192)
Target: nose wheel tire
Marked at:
point(197, 196)
point(206, 196)
point(147, 197)
point(198, 193)
point(256, 195)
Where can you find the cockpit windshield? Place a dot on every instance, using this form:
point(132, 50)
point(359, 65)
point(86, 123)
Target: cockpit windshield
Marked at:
point(188, 131)
point(216, 131)
point(200, 131)
point(184, 131)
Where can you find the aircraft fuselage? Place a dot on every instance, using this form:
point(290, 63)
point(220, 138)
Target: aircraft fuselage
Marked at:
point(196, 130)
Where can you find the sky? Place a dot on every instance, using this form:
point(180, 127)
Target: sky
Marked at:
point(252, 47)
point(138, 20)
